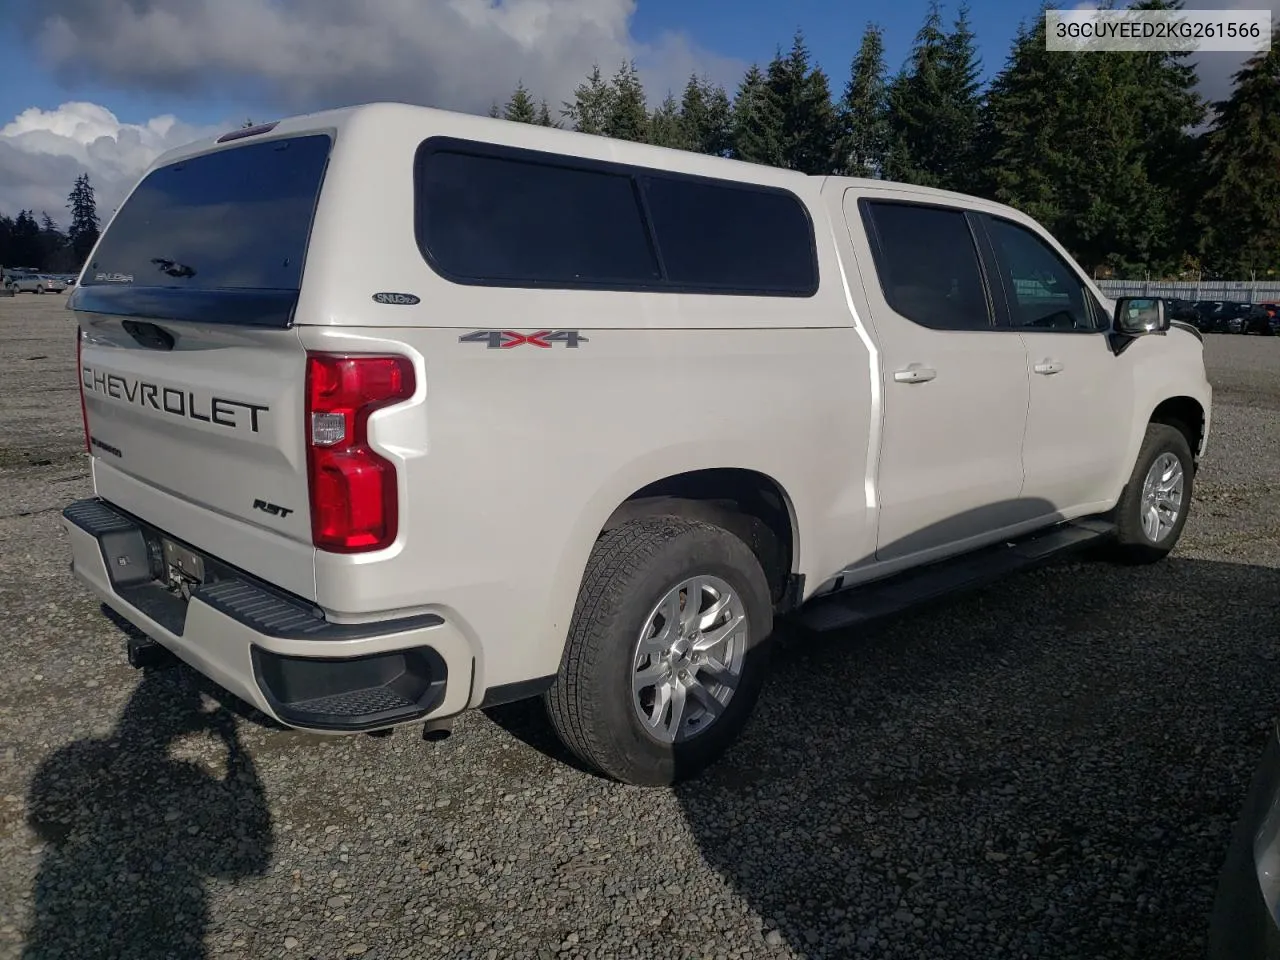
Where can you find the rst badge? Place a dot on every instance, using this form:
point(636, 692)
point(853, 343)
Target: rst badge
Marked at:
point(506, 339)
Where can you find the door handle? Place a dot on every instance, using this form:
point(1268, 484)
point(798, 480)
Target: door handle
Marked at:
point(914, 374)
point(1047, 367)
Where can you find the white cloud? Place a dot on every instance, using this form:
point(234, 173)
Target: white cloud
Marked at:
point(293, 56)
point(305, 54)
point(43, 151)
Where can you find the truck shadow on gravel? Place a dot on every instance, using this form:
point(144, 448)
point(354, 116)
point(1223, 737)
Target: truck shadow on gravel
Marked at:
point(1048, 768)
point(132, 833)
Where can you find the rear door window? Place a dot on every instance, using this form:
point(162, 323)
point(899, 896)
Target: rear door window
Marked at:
point(927, 263)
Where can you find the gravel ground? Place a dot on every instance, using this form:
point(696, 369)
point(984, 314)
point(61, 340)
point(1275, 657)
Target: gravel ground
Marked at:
point(1049, 768)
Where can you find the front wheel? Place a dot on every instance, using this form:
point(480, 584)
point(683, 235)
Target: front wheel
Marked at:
point(1153, 508)
point(665, 655)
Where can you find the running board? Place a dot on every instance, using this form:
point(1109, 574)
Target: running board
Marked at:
point(859, 604)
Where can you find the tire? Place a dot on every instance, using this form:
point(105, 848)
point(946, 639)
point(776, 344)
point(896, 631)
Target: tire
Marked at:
point(1134, 543)
point(39, 291)
point(594, 706)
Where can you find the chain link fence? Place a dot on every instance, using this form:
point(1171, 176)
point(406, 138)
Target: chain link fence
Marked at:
point(1236, 291)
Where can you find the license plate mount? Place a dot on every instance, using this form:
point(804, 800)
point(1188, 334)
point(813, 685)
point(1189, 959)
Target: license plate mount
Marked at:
point(181, 562)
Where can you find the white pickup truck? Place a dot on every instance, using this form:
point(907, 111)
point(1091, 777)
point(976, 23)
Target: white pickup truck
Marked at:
point(395, 412)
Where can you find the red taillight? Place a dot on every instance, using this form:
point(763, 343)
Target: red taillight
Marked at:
point(353, 490)
point(84, 414)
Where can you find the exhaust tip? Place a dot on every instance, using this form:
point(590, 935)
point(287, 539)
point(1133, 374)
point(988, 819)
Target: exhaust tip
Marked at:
point(434, 731)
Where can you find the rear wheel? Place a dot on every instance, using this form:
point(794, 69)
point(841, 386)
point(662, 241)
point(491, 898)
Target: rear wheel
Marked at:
point(39, 290)
point(664, 659)
point(1153, 508)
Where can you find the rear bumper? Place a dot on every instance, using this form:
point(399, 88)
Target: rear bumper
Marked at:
point(269, 648)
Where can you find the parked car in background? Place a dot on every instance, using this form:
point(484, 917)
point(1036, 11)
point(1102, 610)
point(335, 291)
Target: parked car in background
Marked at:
point(38, 283)
point(1263, 318)
point(1233, 314)
point(13, 277)
point(1182, 310)
point(1205, 315)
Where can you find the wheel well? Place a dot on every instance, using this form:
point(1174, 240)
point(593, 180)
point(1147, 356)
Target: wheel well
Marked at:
point(1185, 414)
point(748, 504)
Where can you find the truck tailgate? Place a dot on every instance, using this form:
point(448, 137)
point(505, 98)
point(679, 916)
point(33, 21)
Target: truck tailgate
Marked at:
point(203, 437)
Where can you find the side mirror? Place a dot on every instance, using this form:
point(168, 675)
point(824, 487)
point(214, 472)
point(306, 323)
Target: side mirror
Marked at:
point(1136, 316)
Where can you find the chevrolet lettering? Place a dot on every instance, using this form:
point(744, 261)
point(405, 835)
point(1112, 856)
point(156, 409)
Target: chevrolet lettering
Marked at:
point(172, 400)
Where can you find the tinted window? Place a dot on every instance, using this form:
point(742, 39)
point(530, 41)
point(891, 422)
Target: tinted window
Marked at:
point(505, 220)
point(237, 219)
point(513, 217)
point(928, 265)
point(1044, 293)
point(716, 235)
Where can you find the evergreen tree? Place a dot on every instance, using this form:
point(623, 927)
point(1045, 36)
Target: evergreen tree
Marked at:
point(628, 115)
point(1239, 220)
point(544, 116)
point(51, 244)
point(913, 96)
point(495, 111)
point(862, 118)
point(705, 118)
point(520, 108)
point(83, 233)
point(757, 121)
point(1082, 142)
point(592, 105)
point(803, 96)
point(934, 108)
point(1024, 157)
point(960, 112)
point(25, 245)
point(1169, 108)
point(665, 127)
point(6, 241)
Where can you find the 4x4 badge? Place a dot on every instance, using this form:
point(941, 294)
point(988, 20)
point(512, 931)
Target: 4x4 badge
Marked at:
point(505, 339)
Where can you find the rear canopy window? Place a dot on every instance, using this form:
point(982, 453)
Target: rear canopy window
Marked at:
point(237, 219)
point(730, 236)
point(527, 222)
point(508, 217)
